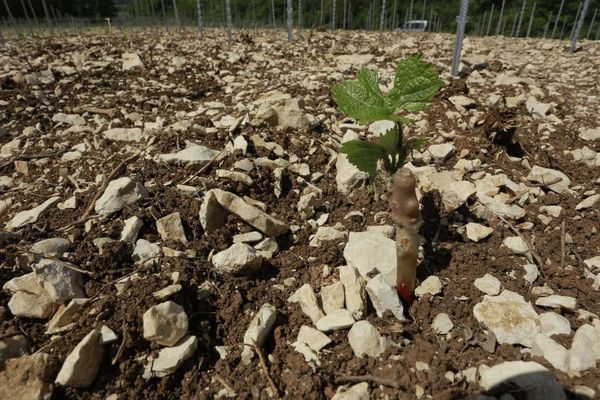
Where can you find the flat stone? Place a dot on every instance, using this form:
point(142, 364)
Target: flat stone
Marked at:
point(217, 203)
point(552, 179)
point(171, 358)
point(132, 62)
point(488, 284)
point(259, 329)
point(554, 324)
point(553, 352)
point(336, 320)
point(28, 378)
point(193, 155)
point(454, 192)
point(332, 297)
point(165, 323)
point(432, 285)
point(532, 379)
point(81, 365)
point(441, 152)
point(532, 272)
point(477, 232)
point(516, 245)
point(360, 391)
point(29, 299)
point(570, 303)
point(64, 316)
point(107, 335)
point(31, 216)
point(462, 102)
point(325, 234)
point(365, 339)
point(585, 348)
point(69, 119)
point(589, 134)
point(369, 251)
point(61, 282)
point(291, 114)
point(131, 229)
point(305, 296)
point(313, 338)
point(167, 292)
point(51, 247)
point(354, 291)
point(238, 259)
point(170, 229)
point(144, 251)
point(442, 324)
point(250, 237)
point(310, 356)
point(384, 297)
point(496, 207)
point(588, 202)
point(119, 193)
point(509, 317)
point(124, 134)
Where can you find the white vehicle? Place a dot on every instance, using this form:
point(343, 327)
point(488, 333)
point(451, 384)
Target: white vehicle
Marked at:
point(418, 25)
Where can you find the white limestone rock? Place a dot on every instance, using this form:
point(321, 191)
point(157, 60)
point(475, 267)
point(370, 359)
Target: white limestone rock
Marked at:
point(368, 251)
point(442, 324)
point(306, 298)
point(124, 134)
point(554, 324)
point(31, 216)
point(477, 232)
point(335, 320)
point(326, 233)
point(354, 291)
point(384, 297)
point(192, 155)
point(171, 358)
point(509, 317)
point(119, 193)
point(29, 299)
point(238, 259)
point(165, 323)
point(569, 303)
point(488, 284)
point(217, 203)
point(432, 285)
point(170, 229)
point(81, 365)
point(61, 282)
point(332, 297)
point(259, 329)
point(365, 339)
point(552, 179)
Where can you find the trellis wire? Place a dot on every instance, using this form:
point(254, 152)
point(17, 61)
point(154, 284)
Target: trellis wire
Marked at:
point(229, 23)
point(586, 4)
point(460, 33)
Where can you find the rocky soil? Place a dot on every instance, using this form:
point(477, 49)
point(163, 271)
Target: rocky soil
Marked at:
point(178, 223)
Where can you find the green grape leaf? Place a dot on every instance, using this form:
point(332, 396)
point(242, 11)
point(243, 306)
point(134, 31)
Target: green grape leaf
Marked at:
point(361, 98)
point(414, 85)
point(363, 155)
point(416, 143)
point(390, 141)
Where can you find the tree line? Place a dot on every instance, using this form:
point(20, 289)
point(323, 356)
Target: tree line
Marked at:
point(338, 14)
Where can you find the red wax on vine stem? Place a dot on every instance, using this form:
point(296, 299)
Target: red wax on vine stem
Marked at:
point(405, 292)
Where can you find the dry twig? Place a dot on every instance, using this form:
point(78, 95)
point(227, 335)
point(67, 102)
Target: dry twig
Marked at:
point(562, 244)
point(263, 365)
point(367, 378)
point(204, 167)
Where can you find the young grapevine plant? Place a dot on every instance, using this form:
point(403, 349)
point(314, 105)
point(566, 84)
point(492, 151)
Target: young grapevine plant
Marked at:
point(415, 84)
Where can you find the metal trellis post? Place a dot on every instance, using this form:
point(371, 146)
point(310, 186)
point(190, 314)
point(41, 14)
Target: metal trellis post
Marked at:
point(579, 26)
point(460, 33)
